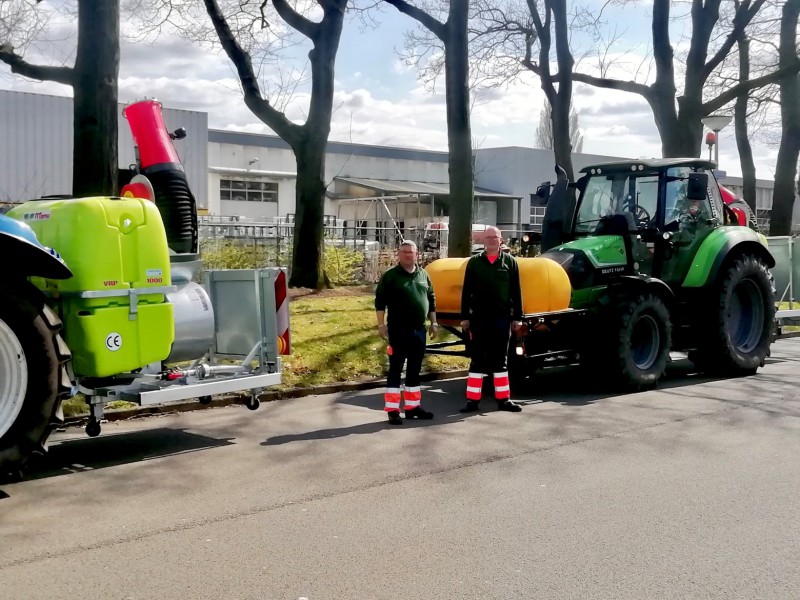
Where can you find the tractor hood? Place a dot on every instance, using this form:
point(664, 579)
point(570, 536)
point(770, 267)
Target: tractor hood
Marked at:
point(592, 260)
point(21, 251)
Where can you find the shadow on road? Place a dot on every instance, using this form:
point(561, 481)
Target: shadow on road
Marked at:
point(572, 386)
point(86, 454)
point(564, 385)
point(443, 398)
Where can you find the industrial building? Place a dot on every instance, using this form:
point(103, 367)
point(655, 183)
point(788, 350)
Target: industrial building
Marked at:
point(251, 177)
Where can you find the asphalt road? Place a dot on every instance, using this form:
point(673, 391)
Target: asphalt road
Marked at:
point(690, 491)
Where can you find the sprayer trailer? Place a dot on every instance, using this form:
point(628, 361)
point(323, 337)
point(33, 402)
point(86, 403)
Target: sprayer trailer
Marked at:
point(105, 296)
point(639, 258)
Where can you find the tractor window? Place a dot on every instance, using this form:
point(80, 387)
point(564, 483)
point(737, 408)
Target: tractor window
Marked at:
point(677, 206)
point(633, 196)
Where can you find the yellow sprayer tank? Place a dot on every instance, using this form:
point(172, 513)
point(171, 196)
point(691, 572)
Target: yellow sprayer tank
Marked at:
point(545, 285)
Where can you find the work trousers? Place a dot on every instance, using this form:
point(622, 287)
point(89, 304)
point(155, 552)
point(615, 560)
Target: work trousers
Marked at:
point(405, 347)
point(489, 339)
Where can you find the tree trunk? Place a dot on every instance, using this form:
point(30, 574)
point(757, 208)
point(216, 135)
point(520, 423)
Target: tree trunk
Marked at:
point(562, 99)
point(688, 133)
point(309, 149)
point(740, 122)
point(95, 160)
point(307, 252)
point(562, 148)
point(783, 195)
point(459, 136)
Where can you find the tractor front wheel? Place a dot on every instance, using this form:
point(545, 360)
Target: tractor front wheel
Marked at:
point(634, 350)
point(33, 377)
point(740, 329)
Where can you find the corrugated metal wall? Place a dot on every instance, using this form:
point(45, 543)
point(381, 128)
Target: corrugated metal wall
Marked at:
point(36, 146)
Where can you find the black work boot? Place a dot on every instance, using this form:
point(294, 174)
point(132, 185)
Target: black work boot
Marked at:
point(508, 405)
point(470, 406)
point(418, 413)
point(394, 417)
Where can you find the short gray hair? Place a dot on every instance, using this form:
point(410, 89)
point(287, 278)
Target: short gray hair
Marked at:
point(408, 243)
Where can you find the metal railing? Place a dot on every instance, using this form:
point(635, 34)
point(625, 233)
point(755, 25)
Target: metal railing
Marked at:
point(366, 250)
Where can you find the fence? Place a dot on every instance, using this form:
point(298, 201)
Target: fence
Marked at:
point(352, 254)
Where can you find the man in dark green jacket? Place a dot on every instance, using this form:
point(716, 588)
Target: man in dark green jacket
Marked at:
point(407, 292)
point(491, 307)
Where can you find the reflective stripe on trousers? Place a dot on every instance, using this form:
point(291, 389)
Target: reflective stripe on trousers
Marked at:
point(502, 389)
point(474, 385)
point(391, 399)
point(412, 396)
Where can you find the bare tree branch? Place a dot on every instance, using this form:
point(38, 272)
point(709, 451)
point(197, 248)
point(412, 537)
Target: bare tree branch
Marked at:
point(614, 84)
point(295, 20)
point(752, 84)
point(435, 26)
point(65, 75)
point(252, 94)
point(744, 15)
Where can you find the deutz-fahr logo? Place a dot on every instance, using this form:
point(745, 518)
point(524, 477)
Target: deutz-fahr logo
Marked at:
point(36, 216)
point(610, 270)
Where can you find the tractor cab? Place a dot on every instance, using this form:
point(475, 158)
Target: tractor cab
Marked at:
point(644, 217)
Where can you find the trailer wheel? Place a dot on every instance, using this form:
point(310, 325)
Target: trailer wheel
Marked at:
point(93, 428)
point(739, 332)
point(253, 402)
point(34, 379)
point(635, 352)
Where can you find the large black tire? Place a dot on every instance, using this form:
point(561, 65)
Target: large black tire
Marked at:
point(737, 339)
point(634, 342)
point(27, 323)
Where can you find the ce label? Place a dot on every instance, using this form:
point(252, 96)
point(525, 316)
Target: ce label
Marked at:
point(113, 342)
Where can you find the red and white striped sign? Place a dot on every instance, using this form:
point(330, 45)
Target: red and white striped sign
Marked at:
point(282, 310)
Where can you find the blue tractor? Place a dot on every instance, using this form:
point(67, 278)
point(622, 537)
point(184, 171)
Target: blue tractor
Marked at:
point(33, 356)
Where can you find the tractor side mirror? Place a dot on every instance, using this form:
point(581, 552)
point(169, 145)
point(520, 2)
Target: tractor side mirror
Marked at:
point(697, 186)
point(543, 191)
point(557, 221)
point(178, 134)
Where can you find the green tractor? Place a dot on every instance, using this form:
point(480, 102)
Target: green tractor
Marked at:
point(657, 262)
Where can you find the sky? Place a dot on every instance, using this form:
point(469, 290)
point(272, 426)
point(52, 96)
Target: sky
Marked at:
point(378, 99)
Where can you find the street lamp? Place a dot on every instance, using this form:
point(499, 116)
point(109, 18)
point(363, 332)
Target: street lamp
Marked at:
point(715, 123)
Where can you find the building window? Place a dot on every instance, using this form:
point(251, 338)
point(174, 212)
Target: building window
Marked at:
point(537, 216)
point(248, 191)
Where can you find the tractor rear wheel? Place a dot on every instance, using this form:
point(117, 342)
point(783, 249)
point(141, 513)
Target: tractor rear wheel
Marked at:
point(635, 347)
point(34, 378)
point(739, 334)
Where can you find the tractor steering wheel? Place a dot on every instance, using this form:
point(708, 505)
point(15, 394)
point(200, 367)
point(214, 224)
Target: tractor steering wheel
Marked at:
point(641, 216)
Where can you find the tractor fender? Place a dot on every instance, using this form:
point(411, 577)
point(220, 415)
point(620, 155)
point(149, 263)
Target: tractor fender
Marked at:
point(645, 284)
point(721, 245)
point(22, 253)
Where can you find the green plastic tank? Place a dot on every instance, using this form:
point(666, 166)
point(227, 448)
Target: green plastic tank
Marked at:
point(115, 311)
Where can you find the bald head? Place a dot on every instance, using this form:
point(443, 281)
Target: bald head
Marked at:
point(492, 239)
